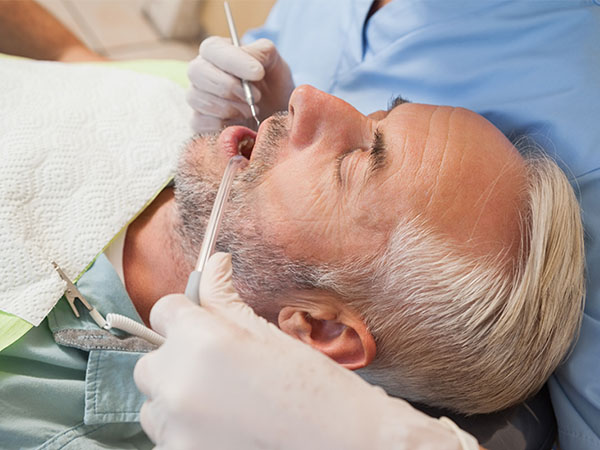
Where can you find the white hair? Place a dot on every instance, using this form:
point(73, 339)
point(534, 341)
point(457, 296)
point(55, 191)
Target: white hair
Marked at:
point(465, 333)
point(452, 330)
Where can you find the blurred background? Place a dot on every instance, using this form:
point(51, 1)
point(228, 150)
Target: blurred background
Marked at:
point(135, 29)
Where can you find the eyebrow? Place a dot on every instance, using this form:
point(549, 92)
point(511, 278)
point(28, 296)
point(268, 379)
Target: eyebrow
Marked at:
point(396, 101)
point(378, 153)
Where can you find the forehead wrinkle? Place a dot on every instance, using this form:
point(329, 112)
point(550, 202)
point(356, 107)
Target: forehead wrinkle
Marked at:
point(402, 150)
point(438, 172)
point(418, 172)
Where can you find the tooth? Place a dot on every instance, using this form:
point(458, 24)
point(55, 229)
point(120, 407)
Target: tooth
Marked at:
point(242, 144)
point(246, 143)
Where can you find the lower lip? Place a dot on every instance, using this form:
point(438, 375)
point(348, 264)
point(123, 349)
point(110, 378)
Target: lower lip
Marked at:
point(230, 137)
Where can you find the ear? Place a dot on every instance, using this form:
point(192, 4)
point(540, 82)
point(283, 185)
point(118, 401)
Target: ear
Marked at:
point(340, 334)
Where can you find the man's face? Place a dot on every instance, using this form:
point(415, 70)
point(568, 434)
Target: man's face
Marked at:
point(343, 181)
point(328, 185)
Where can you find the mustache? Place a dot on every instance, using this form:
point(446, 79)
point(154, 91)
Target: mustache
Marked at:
point(277, 129)
point(276, 132)
point(266, 149)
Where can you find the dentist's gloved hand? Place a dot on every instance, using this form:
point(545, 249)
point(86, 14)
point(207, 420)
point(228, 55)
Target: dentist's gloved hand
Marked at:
point(216, 94)
point(227, 379)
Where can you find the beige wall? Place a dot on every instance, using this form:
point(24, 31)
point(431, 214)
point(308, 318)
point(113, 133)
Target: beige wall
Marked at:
point(246, 14)
point(133, 29)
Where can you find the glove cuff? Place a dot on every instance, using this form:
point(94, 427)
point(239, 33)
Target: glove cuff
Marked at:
point(467, 442)
point(401, 426)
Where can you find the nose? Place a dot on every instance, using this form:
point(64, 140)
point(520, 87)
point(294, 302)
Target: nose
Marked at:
point(316, 116)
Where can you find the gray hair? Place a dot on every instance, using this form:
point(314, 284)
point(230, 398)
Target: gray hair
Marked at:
point(452, 330)
point(462, 332)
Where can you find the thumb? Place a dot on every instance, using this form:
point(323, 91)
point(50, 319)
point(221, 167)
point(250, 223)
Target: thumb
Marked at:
point(216, 285)
point(166, 312)
point(234, 60)
point(218, 293)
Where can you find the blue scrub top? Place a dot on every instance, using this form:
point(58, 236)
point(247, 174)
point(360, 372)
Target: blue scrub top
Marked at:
point(531, 67)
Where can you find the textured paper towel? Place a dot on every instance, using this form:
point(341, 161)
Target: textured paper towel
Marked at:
point(82, 150)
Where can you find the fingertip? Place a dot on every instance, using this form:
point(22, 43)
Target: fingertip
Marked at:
point(231, 59)
point(265, 53)
point(218, 270)
point(216, 286)
point(212, 42)
point(220, 261)
point(165, 310)
point(256, 71)
point(218, 293)
point(265, 43)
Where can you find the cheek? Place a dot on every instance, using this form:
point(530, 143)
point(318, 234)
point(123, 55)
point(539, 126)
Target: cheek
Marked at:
point(202, 156)
point(369, 213)
point(300, 212)
point(312, 220)
point(374, 215)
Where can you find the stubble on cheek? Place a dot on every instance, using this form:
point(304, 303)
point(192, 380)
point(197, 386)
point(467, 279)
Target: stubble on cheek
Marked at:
point(200, 157)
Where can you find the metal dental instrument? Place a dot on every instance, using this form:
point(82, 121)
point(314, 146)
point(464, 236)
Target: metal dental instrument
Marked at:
point(212, 229)
point(236, 42)
point(72, 294)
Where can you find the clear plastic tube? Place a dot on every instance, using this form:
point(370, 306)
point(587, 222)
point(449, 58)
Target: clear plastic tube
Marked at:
point(214, 223)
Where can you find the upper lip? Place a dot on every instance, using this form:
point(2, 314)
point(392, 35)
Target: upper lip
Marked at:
point(231, 137)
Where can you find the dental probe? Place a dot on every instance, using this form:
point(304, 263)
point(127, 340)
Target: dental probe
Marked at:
point(236, 42)
point(212, 229)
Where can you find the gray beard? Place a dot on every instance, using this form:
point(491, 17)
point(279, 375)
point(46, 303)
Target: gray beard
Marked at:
point(262, 273)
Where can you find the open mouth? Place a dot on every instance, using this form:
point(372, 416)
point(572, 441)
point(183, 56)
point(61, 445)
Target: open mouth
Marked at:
point(237, 140)
point(245, 147)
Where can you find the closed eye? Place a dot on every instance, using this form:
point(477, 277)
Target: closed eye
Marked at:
point(338, 164)
point(377, 156)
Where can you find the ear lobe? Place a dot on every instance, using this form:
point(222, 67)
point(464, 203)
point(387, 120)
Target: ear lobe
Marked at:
point(344, 338)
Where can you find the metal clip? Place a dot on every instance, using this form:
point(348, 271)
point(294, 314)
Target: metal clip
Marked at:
point(72, 294)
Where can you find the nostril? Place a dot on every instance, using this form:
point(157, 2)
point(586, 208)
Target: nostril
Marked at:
point(291, 110)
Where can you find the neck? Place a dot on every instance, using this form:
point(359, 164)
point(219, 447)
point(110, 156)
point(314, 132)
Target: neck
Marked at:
point(153, 262)
point(378, 4)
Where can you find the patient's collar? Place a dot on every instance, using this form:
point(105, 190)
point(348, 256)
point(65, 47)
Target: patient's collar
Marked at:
point(114, 254)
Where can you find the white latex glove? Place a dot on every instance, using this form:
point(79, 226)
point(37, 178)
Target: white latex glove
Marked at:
point(216, 94)
point(227, 379)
